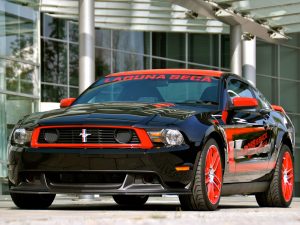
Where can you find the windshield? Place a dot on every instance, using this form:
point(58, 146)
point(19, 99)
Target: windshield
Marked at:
point(180, 89)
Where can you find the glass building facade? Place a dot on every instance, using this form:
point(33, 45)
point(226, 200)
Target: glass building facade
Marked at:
point(39, 63)
point(19, 69)
point(117, 50)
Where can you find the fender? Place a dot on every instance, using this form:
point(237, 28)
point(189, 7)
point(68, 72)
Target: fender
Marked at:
point(214, 131)
point(281, 138)
point(217, 132)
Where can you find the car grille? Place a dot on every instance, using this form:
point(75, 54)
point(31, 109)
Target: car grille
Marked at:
point(96, 136)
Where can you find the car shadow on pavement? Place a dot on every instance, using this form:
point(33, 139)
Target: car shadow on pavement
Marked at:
point(147, 207)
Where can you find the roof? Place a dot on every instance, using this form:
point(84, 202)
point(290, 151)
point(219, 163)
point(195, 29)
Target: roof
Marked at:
point(212, 73)
point(270, 19)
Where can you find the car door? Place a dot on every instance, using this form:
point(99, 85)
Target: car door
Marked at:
point(247, 135)
point(265, 109)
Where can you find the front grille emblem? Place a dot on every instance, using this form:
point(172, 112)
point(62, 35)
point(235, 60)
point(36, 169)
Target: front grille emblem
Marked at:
point(84, 135)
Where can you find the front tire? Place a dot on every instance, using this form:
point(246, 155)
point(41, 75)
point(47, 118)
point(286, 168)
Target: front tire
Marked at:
point(207, 185)
point(32, 201)
point(280, 191)
point(130, 200)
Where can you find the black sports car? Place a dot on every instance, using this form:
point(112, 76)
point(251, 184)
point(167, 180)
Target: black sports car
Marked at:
point(193, 133)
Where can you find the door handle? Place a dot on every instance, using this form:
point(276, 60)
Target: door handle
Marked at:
point(266, 125)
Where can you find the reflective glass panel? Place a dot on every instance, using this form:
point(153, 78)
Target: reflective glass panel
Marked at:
point(168, 45)
point(54, 27)
point(18, 31)
point(52, 93)
point(54, 60)
point(268, 87)
point(289, 63)
point(204, 49)
point(132, 41)
point(74, 64)
point(289, 95)
point(102, 62)
point(266, 58)
point(127, 62)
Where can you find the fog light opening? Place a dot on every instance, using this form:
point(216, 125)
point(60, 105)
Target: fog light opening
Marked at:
point(51, 136)
point(123, 136)
point(148, 179)
point(29, 179)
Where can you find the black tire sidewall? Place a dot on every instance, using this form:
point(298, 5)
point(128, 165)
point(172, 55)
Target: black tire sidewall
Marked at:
point(32, 201)
point(130, 200)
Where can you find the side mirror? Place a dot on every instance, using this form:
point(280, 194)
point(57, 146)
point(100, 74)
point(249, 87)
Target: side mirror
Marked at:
point(66, 102)
point(244, 103)
point(278, 108)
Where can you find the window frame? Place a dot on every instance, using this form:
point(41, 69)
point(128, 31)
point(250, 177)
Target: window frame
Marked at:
point(229, 100)
point(258, 95)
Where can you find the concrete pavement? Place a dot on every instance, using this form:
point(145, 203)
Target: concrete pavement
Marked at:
point(166, 210)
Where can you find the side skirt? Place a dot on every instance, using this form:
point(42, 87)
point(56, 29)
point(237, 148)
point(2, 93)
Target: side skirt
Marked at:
point(244, 188)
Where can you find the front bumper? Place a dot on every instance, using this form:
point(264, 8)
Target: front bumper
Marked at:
point(101, 171)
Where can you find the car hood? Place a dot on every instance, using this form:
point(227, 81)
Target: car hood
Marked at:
point(116, 114)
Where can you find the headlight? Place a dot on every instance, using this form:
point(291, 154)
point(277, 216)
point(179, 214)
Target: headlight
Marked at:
point(21, 136)
point(167, 136)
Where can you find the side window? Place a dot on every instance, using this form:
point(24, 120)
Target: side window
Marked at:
point(262, 101)
point(237, 88)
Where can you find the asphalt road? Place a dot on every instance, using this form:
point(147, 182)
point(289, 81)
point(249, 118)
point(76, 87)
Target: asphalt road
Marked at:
point(166, 210)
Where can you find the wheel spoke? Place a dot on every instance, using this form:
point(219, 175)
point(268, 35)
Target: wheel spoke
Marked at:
point(284, 189)
point(211, 192)
point(214, 158)
point(208, 189)
point(285, 163)
point(207, 179)
point(216, 163)
point(290, 176)
point(290, 186)
point(287, 191)
point(289, 163)
point(216, 186)
point(209, 159)
point(216, 178)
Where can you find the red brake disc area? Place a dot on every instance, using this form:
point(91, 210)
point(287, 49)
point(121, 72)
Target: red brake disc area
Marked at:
point(213, 174)
point(287, 176)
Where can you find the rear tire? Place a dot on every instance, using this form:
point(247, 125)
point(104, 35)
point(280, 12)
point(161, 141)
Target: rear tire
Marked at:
point(130, 200)
point(32, 201)
point(207, 185)
point(280, 191)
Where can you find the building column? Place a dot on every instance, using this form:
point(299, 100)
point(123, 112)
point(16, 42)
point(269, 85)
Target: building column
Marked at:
point(86, 44)
point(236, 49)
point(249, 60)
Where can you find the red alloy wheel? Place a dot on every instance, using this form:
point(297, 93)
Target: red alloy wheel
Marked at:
point(287, 176)
point(213, 174)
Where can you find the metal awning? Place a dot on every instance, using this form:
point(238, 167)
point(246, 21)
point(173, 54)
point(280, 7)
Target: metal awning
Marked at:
point(145, 15)
point(270, 19)
point(280, 14)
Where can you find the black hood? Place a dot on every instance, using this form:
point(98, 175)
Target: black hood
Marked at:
point(122, 114)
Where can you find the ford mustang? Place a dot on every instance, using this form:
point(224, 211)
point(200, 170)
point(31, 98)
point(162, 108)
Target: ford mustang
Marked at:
point(197, 134)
